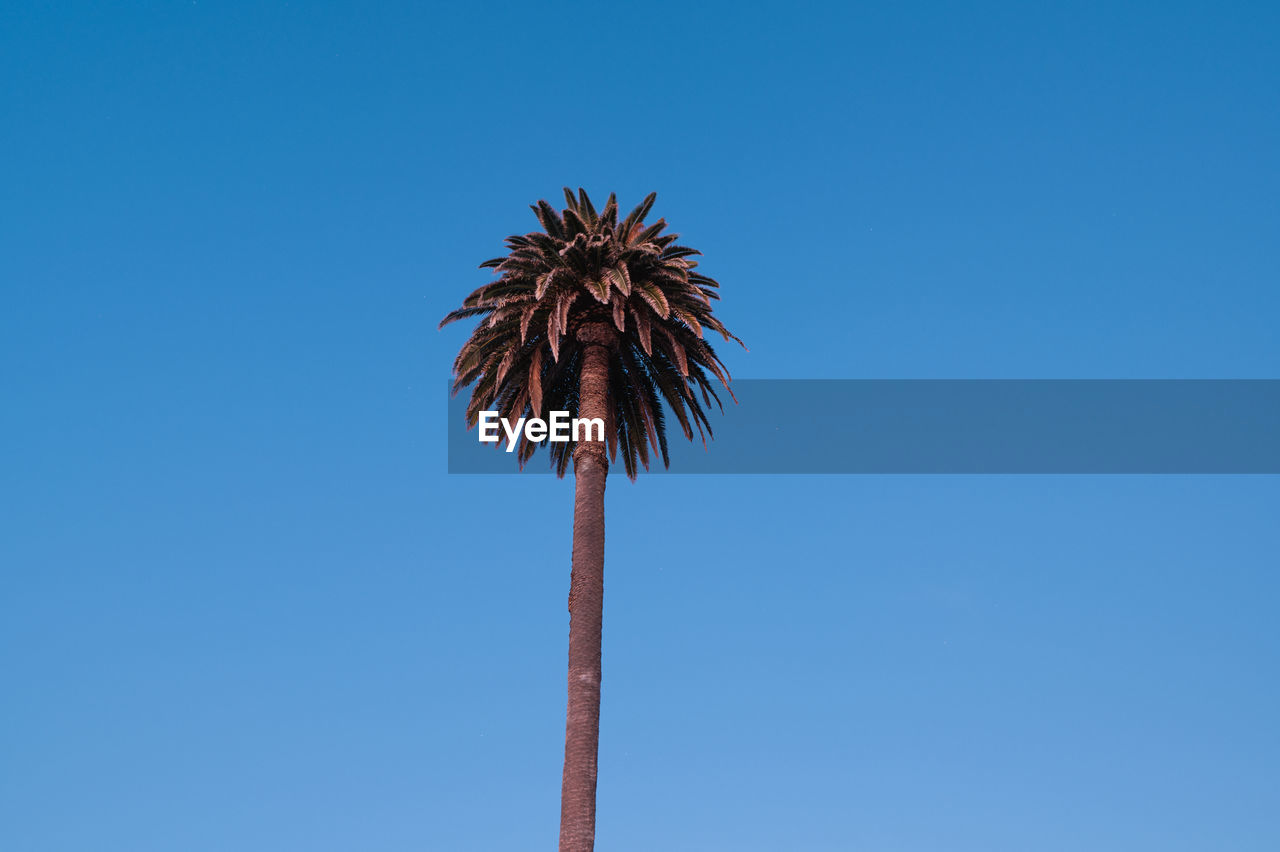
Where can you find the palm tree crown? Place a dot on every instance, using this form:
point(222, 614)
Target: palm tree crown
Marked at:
point(636, 286)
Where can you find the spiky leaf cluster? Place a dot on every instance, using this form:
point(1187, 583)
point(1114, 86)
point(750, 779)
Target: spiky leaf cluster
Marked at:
point(585, 267)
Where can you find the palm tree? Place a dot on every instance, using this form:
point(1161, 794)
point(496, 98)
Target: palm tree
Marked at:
point(604, 319)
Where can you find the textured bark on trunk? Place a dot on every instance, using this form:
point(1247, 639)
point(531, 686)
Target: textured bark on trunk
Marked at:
point(586, 604)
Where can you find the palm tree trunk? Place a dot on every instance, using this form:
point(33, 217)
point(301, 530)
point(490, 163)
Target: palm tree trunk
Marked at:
point(586, 605)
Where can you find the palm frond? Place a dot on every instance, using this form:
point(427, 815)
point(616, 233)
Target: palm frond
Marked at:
point(586, 267)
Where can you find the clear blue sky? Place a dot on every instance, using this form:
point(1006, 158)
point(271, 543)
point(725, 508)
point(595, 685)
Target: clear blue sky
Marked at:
point(242, 606)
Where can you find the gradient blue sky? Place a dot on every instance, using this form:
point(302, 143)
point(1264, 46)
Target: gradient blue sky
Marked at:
point(242, 606)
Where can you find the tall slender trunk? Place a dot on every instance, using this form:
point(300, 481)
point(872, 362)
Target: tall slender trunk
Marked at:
point(586, 603)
